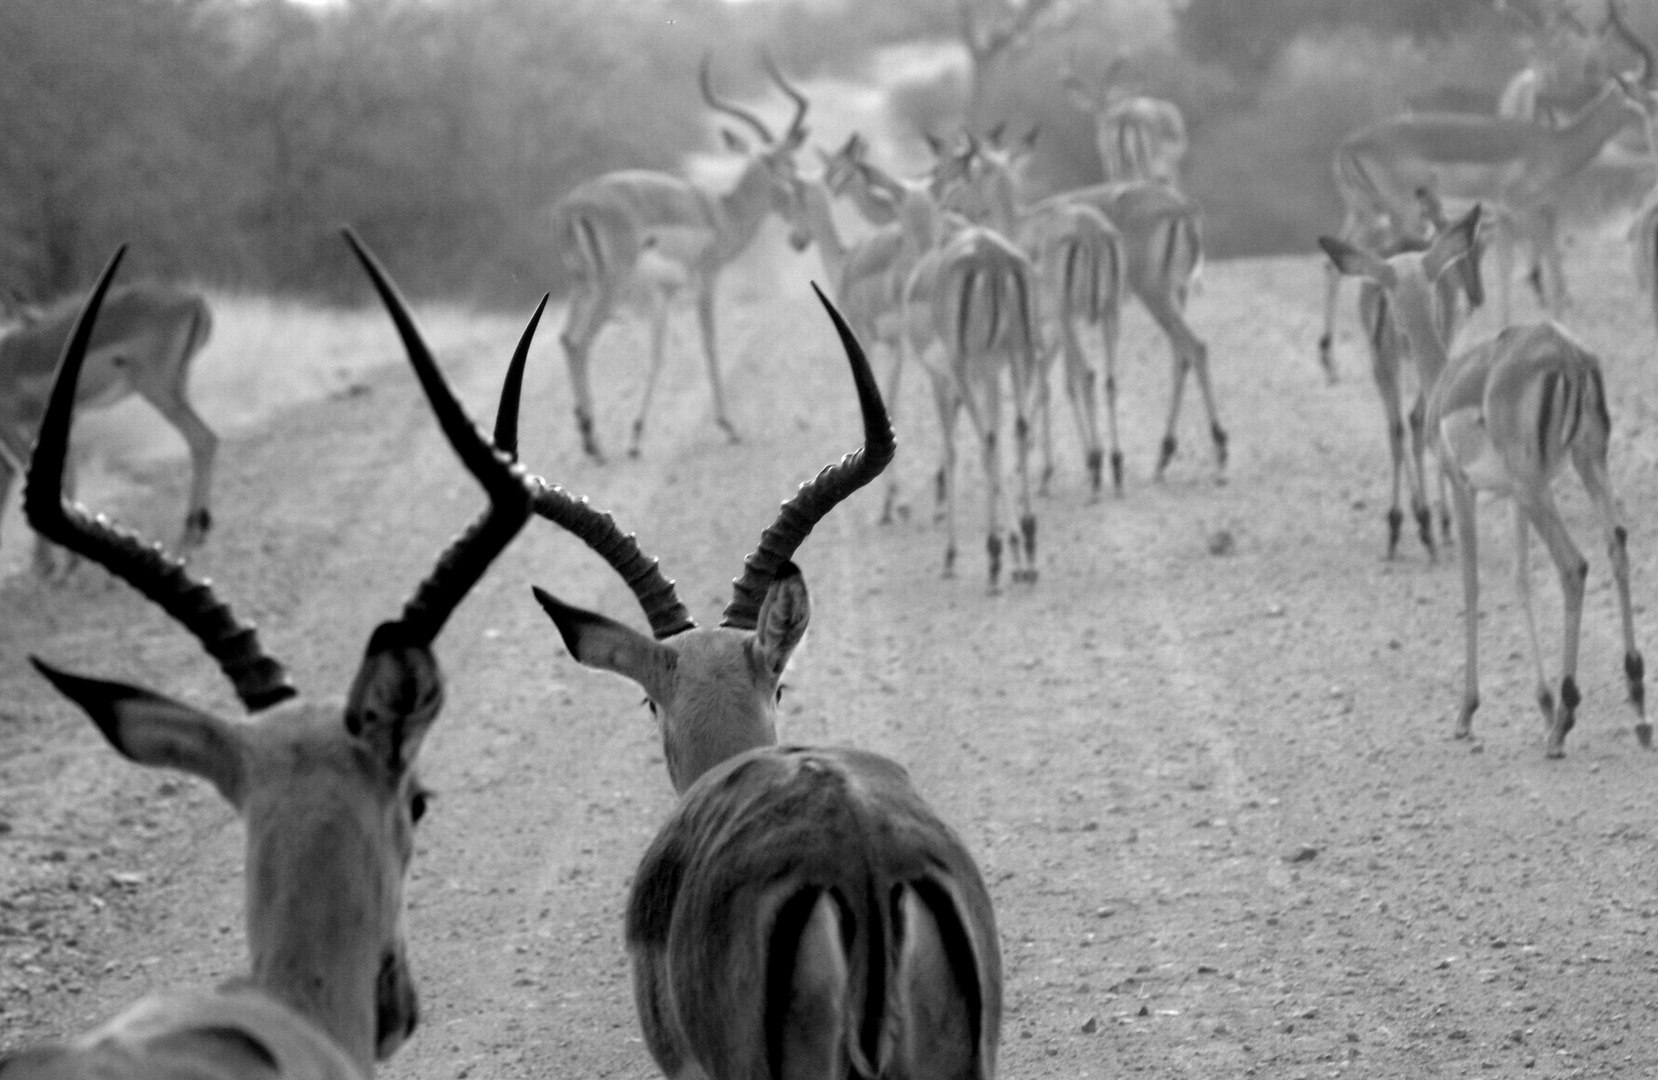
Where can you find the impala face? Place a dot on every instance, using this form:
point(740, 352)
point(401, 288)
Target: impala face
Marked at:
point(327, 791)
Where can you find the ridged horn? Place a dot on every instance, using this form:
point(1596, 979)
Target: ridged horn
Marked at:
point(818, 496)
point(1634, 42)
point(260, 681)
point(466, 558)
point(594, 528)
point(726, 107)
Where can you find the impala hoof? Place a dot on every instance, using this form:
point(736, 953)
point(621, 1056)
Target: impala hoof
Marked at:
point(1643, 734)
point(196, 527)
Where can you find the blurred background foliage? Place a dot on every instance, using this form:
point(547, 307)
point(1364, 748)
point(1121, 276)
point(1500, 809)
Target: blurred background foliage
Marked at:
point(228, 139)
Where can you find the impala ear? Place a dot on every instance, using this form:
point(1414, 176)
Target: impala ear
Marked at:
point(395, 697)
point(1356, 262)
point(1454, 243)
point(598, 642)
point(782, 619)
point(158, 731)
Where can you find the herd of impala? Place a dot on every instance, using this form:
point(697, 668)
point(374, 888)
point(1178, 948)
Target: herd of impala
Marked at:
point(802, 913)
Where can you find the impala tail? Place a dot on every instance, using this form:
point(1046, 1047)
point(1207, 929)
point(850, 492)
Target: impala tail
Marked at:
point(1090, 269)
point(988, 304)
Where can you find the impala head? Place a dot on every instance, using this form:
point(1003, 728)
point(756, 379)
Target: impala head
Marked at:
point(773, 159)
point(981, 182)
point(713, 690)
point(1410, 278)
point(327, 788)
point(1099, 94)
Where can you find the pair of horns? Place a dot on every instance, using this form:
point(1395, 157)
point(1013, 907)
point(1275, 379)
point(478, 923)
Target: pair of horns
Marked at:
point(259, 679)
point(795, 129)
point(778, 543)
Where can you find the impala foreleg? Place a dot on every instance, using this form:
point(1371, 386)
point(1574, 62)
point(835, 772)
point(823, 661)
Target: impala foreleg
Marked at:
point(203, 446)
point(889, 503)
point(710, 351)
point(659, 340)
point(590, 308)
point(1326, 340)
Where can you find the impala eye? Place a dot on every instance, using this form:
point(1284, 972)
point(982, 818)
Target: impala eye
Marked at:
point(777, 698)
point(651, 705)
point(418, 799)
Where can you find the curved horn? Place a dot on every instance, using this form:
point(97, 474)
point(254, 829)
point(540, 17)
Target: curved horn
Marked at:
point(799, 99)
point(260, 681)
point(461, 564)
point(726, 107)
point(818, 496)
point(1634, 42)
point(596, 529)
point(512, 388)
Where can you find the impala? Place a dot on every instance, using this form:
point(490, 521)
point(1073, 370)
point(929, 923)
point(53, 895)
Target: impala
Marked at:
point(655, 235)
point(327, 790)
point(1081, 264)
point(1139, 137)
point(1518, 168)
point(143, 345)
point(1508, 415)
point(974, 296)
point(802, 912)
point(1161, 232)
point(1388, 353)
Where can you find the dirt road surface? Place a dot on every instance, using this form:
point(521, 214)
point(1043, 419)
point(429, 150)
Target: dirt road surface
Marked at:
point(1205, 762)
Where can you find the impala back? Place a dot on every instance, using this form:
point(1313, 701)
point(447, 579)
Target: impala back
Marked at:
point(733, 883)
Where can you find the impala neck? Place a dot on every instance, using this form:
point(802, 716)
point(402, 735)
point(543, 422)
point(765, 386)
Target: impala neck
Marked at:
point(1575, 143)
point(820, 222)
point(743, 208)
point(314, 934)
point(1415, 307)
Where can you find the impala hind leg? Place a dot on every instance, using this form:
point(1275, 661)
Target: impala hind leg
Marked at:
point(710, 352)
point(1079, 390)
point(806, 1015)
point(1462, 502)
point(1591, 467)
point(948, 402)
point(933, 1038)
point(1110, 335)
point(1419, 499)
point(591, 307)
point(985, 416)
point(1023, 370)
point(1573, 570)
point(1522, 581)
